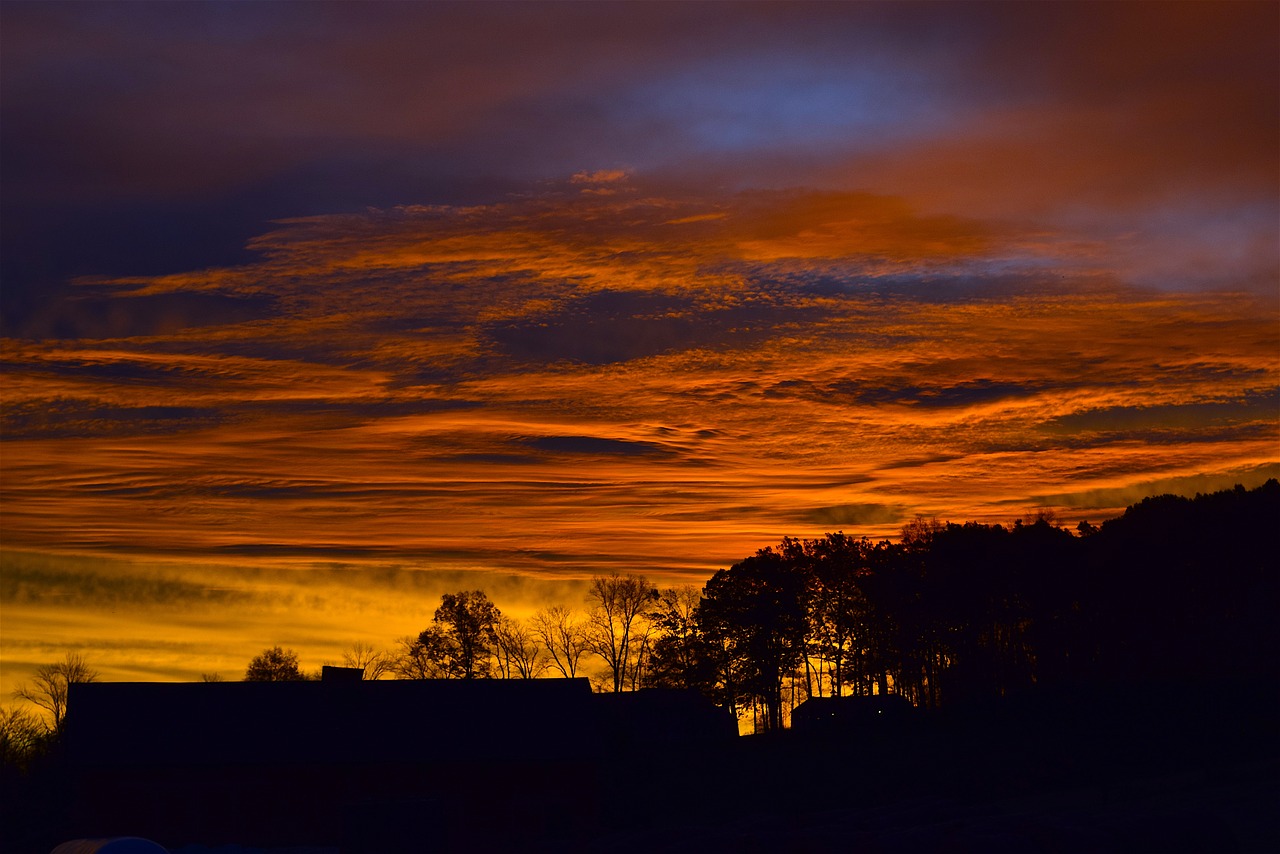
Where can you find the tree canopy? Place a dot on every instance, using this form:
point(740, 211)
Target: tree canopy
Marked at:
point(461, 641)
point(274, 665)
point(618, 626)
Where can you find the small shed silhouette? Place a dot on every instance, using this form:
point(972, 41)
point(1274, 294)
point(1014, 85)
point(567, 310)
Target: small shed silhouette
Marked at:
point(333, 673)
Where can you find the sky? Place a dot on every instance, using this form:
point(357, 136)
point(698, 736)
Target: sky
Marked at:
point(313, 312)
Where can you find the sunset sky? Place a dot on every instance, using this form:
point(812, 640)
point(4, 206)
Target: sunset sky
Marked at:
point(312, 312)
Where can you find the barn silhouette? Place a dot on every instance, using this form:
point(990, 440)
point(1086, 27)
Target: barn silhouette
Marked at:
point(368, 766)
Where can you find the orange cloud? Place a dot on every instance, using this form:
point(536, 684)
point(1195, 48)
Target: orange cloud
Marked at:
point(842, 225)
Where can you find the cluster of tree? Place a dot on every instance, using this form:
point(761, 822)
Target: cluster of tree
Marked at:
point(1176, 590)
point(25, 734)
point(470, 638)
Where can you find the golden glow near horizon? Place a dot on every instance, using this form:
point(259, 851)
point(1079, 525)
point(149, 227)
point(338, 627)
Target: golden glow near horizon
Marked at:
point(791, 274)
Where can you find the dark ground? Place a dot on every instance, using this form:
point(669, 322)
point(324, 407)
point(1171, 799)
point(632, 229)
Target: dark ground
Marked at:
point(1151, 771)
point(1156, 769)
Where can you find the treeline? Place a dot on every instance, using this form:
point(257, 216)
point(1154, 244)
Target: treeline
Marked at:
point(470, 638)
point(1176, 590)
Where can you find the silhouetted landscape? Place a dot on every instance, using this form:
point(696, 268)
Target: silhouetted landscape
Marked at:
point(971, 688)
point(639, 426)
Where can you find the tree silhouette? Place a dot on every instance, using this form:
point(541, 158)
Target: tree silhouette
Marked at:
point(22, 736)
point(839, 620)
point(518, 652)
point(51, 685)
point(274, 665)
point(563, 637)
point(617, 628)
point(373, 663)
point(412, 661)
point(681, 656)
point(756, 611)
point(461, 639)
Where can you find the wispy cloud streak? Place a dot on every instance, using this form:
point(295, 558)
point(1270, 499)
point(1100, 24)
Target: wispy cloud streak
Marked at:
point(628, 379)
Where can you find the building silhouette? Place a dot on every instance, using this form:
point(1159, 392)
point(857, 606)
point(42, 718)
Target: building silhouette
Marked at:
point(368, 766)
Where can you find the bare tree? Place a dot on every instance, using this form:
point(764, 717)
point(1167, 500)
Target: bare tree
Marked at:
point(375, 663)
point(22, 735)
point(211, 677)
point(562, 636)
point(52, 683)
point(519, 653)
point(638, 672)
point(617, 626)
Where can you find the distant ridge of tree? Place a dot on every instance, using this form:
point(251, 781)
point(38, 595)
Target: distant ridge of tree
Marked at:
point(1190, 586)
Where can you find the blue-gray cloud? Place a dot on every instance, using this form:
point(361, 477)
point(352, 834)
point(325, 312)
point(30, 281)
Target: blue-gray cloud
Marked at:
point(871, 393)
point(55, 419)
point(613, 326)
point(1259, 409)
point(96, 315)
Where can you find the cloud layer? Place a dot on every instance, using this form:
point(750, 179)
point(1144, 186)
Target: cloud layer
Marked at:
point(567, 381)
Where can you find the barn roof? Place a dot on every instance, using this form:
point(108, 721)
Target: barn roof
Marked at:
point(228, 723)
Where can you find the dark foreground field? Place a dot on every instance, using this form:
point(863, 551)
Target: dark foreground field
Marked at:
point(1147, 769)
